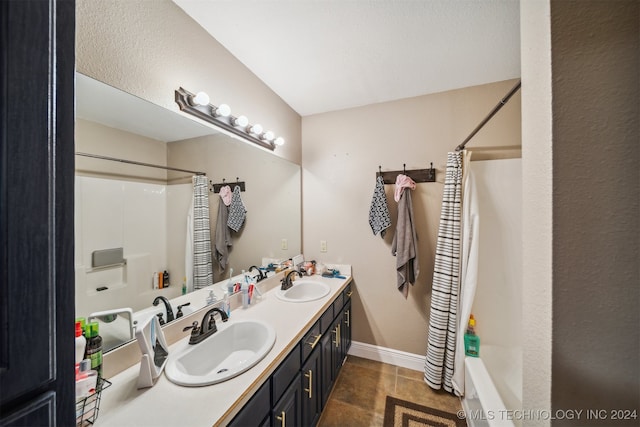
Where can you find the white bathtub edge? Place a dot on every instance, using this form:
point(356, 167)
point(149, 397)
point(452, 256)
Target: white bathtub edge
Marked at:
point(479, 383)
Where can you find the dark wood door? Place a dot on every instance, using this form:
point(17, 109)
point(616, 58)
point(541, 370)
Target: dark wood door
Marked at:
point(288, 411)
point(36, 212)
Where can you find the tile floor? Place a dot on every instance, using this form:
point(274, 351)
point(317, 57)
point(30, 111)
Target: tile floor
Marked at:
point(359, 395)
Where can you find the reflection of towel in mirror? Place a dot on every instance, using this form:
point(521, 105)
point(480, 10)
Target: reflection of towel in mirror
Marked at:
point(225, 195)
point(223, 236)
point(379, 218)
point(237, 212)
point(405, 245)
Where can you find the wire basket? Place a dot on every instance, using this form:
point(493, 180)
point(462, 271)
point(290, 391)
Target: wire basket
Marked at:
point(87, 408)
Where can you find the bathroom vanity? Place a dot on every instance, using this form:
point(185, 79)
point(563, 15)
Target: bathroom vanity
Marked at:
point(289, 386)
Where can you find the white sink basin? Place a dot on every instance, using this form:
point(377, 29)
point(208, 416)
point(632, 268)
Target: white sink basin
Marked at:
point(237, 346)
point(303, 291)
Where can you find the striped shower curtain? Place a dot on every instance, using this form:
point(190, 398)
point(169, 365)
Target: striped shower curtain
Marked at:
point(202, 261)
point(441, 341)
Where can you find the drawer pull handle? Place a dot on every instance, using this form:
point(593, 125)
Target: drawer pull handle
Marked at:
point(309, 375)
point(282, 418)
point(315, 342)
point(349, 294)
point(337, 332)
point(347, 314)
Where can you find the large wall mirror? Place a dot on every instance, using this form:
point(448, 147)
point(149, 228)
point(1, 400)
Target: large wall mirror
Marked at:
point(143, 210)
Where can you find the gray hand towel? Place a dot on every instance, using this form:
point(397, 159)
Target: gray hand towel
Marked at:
point(237, 212)
point(223, 236)
point(379, 218)
point(405, 245)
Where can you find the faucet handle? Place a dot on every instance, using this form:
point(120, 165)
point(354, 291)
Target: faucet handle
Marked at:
point(194, 328)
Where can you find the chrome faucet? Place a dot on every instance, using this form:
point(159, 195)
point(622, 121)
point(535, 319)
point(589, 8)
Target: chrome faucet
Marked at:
point(208, 327)
point(261, 275)
point(286, 282)
point(167, 307)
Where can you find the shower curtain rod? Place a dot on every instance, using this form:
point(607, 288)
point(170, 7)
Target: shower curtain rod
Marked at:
point(131, 162)
point(490, 115)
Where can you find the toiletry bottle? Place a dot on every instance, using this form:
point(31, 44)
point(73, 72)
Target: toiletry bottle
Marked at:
point(245, 294)
point(184, 286)
point(94, 347)
point(81, 343)
point(471, 340)
point(226, 307)
point(165, 279)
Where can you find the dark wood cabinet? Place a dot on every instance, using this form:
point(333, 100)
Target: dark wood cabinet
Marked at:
point(37, 64)
point(297, 391)
point(311, 375)
point(288, 411)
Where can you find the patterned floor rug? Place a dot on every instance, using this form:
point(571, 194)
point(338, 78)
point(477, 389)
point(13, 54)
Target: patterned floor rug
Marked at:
point(400, 413)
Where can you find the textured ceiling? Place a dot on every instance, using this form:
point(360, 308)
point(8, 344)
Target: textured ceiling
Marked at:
point(326, 55)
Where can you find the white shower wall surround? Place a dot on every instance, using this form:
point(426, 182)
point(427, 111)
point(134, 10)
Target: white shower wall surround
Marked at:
point(497, 305)
point(112, 213)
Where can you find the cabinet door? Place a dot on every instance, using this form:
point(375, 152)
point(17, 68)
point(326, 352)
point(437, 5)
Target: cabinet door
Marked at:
point(337, 353)
point(311, 388)
point(346, 329)
point(36, 212)
point(288, 411)
point(326, 381)
point(257, 409)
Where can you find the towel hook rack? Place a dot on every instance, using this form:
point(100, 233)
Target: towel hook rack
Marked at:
point(215, 188)
point(417, 175)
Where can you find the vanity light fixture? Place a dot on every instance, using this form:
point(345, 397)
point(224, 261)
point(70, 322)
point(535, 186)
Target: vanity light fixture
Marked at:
point(223, 110)
point(200, 98)
point(241, 121)
point(198, 105)
point(255, 129)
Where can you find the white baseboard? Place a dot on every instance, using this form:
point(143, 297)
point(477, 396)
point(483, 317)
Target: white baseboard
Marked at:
point(388, 355)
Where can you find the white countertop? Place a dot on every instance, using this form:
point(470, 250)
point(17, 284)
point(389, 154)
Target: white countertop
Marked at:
point(167, 404)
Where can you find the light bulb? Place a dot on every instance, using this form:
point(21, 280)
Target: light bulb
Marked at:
point(279, 141)
point(200, 98)
point(223, 110)
point(257, 129)
point(241, 121)
point(268, 136)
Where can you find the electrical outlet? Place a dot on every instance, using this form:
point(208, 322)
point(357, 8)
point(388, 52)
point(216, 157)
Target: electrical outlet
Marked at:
point(284, 245)
point(323, 246)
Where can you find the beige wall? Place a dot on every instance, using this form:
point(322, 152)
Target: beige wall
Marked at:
point(94, 138)
point(341, 154)
point(537, 191)
point(272, 197)
point(150, 48)
point(581, 186)
point(596, 205)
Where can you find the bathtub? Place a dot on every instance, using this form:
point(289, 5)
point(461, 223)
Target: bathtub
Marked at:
point(493, 399)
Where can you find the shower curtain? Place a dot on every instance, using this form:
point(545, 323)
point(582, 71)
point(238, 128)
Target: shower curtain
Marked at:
point(198, 259)
point(444, 320)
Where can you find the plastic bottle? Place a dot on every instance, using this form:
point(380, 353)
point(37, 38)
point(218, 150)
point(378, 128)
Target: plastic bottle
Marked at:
point(471, 340)
point(226, 307)
point(94, 346)
point(184, 286)
point(81, 343)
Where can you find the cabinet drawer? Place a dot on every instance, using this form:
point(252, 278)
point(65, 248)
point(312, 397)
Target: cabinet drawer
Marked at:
point(285, 373)
point(326, 320)
point(310, 341)
point(337, 304)
point(256, 409)
point(346, 293)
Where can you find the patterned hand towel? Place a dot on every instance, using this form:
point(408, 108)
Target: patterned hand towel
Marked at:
point(237, 212)
point(379, 218)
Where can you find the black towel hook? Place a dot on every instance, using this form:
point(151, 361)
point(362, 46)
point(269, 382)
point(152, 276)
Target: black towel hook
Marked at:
point(404, 168)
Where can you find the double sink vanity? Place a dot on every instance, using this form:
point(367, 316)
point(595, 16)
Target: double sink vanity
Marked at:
point(271, 364)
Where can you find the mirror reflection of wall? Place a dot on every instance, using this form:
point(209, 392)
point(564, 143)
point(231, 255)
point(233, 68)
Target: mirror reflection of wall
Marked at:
point(143, 210)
